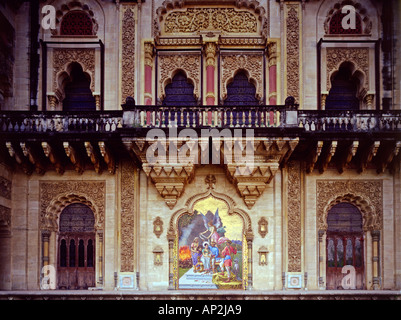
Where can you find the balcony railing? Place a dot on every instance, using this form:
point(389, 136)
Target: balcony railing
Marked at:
point(205, 116)
point(73, 122)
point(349, 121)
point(200, 116)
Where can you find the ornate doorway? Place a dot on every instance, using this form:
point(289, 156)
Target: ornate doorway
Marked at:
point(344, 245)
point(76, 248)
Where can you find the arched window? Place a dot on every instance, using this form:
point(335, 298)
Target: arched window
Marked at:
point(335, 26)
point(179, 92)
point(344, 89)
point(76, 23)
point(344, 245)
point(78, 95)
point(240, 91)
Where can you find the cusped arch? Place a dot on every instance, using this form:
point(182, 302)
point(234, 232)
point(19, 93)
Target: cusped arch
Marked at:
point(63, 76)
point(91, 8)
point(231, 210)
point(370, 218)
point(53, 211)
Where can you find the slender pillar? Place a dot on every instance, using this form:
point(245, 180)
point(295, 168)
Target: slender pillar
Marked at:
point(45, 247)
point(210, 50)
point(321, 261)
point(100, 237)
point(250, 273)
point(171, 238)
point(375, 258)
point(148, 72)
point(272, 55)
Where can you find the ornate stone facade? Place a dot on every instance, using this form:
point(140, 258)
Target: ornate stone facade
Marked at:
point(128, 54)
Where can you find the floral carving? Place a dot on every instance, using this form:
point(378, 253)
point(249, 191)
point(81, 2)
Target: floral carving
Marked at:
point(358, 56)
point(189, 63)
point(127, 217)
point(226, 20)
point(253, 64)
point(63, 57)
point(294, 217)
point(293, 52)
point(55, 196)
point(366, 195)
point(128, 55)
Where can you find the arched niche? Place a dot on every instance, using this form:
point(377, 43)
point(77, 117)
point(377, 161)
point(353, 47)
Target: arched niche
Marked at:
point(185, 220)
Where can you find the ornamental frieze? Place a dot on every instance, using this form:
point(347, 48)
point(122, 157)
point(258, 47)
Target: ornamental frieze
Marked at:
point(226, 20)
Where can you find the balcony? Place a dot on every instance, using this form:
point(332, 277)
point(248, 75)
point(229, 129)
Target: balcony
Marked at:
point(255, 117)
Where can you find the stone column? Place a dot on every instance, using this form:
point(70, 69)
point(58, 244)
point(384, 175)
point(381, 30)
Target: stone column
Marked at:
point(171, 238)
point(375, 258)
point(272, 55)
point(45, 247)
point(321, 259)
point(250, 277)
point(148, 72)
point(100, 237)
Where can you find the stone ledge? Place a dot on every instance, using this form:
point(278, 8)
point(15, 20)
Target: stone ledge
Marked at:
point(201, 295)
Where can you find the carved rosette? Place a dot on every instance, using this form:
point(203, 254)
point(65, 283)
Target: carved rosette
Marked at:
point(127, 217)
point(358, 56)
point(252, 64)
point(170, 64)
point(294, 231)
point(128, 54)
point(293, 51)
point(366, 195)
point(63, 57)
point(56, 195)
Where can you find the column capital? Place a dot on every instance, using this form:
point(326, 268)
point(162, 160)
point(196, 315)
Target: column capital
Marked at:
point(210, 51)
point(149, 53)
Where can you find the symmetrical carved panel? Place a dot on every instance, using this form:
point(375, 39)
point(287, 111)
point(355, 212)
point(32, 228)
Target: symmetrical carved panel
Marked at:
point(127, 217)
point(128, 54)
point(358, 56)
point(366, 195)
point(294, 217)
point(63, 57)
point(293, 51)
point(170, 64)
point(56, 195)
point(226, 20)
point(252, 63)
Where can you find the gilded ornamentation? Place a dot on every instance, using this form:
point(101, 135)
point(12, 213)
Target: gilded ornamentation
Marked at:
point(252, 63)
point(127, 217)
point(226, 20)
point(358, 56)
point(63, 57)
point(149, 54)
point(366, 195)
point(128, 55)
point(210, 50)
point(158, 226)
point(294, 232)
point(293, 51)
point(55, 196)
point(189, 63)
